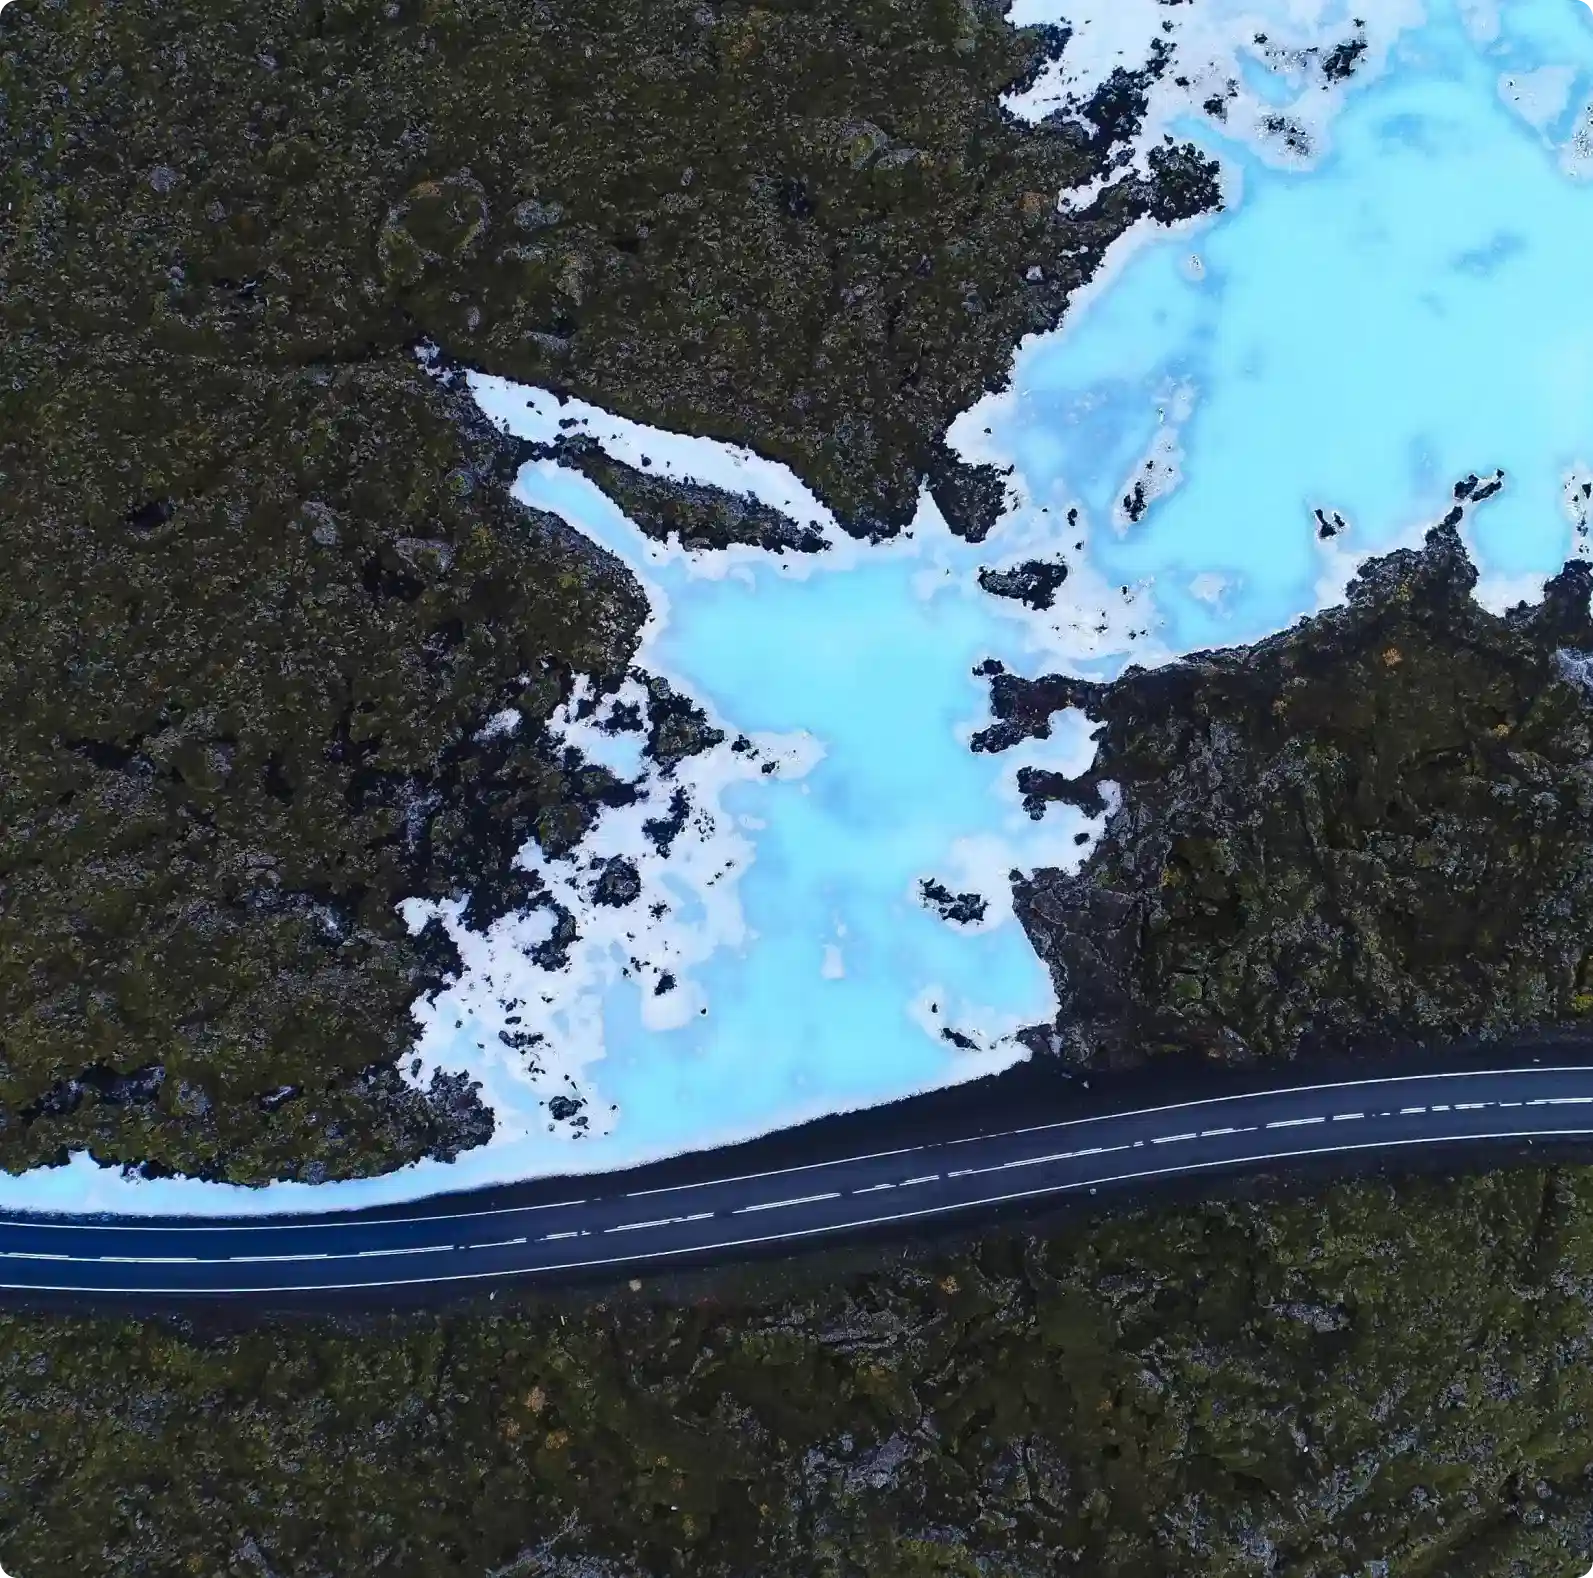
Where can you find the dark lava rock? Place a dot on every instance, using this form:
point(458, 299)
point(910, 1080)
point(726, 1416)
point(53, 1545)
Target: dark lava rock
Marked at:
point(662, 831)
point(1340, 63)
point(253, 649)
point(1024, 707)
point(509, 891)
point(1035, 582)
point(568, 1109)
point(620, 883)
point(553, 952)
point(971, 498)
point(1374, 827)
point(806, 228)
point(701, 516)
point(677, 726)
point(963, 909)
point(1042, 786)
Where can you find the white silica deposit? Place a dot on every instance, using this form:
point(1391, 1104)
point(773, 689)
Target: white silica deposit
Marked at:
point(1230, 419)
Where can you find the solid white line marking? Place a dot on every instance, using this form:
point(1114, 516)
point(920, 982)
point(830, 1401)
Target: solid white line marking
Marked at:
point(780, 1205)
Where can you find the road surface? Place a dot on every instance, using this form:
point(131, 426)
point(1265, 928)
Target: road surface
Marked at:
point(604, 1225)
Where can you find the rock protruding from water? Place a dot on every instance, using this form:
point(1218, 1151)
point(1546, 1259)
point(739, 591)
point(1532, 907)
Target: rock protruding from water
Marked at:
point(700, 515)
point(960, 909)
point(1373, 828)
point(1035, 582)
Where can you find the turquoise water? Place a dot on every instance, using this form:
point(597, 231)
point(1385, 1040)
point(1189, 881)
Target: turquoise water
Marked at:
point(1358, 336)
point(1354, 337)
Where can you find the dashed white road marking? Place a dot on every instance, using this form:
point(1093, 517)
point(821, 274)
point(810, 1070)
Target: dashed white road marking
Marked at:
point(1040, 1161)
point(779, 1205)
point(262, 1260)
point(660, 1221)
point(770, 1238)
point(256, 1260)
point(453, 1222)
point(163, 1260)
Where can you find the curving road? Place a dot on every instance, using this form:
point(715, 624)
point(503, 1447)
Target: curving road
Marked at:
point(456, 1242)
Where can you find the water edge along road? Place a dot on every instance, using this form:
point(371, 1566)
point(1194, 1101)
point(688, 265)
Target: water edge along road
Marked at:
point(603, 1225)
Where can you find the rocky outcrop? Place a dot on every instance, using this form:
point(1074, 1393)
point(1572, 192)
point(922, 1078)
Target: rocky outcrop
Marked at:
point(1374, 827)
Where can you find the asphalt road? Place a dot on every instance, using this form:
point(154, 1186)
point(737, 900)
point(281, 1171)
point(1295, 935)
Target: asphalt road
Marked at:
point(604, 1224)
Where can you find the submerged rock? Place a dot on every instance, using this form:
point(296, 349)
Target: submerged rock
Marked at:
point(1374, 827)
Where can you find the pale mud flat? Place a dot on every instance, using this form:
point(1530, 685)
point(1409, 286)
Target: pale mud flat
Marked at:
point(1390, 303)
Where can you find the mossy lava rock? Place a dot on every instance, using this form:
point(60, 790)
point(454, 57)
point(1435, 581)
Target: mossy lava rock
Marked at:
point(1374, 827)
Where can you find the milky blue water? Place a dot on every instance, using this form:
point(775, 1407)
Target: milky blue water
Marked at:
point(1358, 336)
point(1353, 337)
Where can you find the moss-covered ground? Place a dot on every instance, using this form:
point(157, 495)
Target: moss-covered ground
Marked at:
point(1379, 1380)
